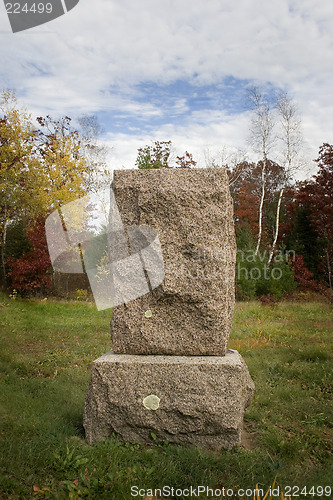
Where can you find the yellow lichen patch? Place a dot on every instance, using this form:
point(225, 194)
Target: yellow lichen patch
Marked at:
point(151, 402)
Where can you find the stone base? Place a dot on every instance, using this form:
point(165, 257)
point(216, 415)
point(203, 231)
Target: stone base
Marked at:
point(197, 400)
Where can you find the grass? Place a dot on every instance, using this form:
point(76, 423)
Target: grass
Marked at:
point(46, 351)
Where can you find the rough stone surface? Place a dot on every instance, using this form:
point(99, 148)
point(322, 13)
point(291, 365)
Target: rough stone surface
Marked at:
point(191, 312)
point(170, 373)
point(198, 400)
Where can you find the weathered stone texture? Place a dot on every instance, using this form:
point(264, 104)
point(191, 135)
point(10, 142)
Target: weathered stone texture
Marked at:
point(192, 310)
point(170, 372)
point(197, 400)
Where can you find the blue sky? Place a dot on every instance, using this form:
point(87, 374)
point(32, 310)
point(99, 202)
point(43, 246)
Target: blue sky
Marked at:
point(176, 70)
point(179, 100)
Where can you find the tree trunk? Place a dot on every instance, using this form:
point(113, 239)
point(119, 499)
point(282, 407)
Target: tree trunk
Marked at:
point(329, 269)
point(3, 262)
point(263, 182)
point(277, 224)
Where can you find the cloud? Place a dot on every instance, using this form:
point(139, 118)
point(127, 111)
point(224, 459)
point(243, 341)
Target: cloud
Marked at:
point(110, 56)
point(195, 137)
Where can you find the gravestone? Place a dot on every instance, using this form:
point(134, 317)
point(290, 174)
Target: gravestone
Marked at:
point(170, 372)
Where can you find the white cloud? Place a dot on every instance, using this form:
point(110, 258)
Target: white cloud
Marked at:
point(218, 134)
point(91, 59)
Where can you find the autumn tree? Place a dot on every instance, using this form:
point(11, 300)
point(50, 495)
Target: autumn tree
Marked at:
point(310, 231)
point(63, 167)
point(318, 195)
point(19, 168)
point(41, 168)
point(29, 272)
point(186, 160)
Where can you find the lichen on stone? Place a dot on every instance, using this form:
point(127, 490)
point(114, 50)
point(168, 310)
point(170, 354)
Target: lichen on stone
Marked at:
point(151, 402)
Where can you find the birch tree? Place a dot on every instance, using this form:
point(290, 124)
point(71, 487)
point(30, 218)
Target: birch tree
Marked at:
point(262, 139)
point(290, 142)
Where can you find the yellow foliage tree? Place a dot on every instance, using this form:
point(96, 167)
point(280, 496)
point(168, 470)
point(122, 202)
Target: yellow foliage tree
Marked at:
point(41, 169)
point(63, 168)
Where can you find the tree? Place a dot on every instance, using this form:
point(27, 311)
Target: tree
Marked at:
point(311, 219)
point(262, 139)
point(61, 161)
point(30, 272)
point(290, 140)
point(40, 168)
point(155, 156)
point(246, 189)
point(186, 161)
point(318, 195)
point(18, 168)
point(275, 130)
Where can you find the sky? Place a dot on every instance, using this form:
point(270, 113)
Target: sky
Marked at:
point(176, 70)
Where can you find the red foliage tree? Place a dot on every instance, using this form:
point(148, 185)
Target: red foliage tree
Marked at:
point(321, 193)
point(301, 273)
point(318, 196)
point(30, 272)
point(246, 209)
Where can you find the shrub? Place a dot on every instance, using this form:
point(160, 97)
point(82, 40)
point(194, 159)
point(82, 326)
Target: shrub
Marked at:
point(255, 278)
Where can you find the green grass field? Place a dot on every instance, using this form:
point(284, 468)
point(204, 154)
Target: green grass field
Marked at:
point(46, 351)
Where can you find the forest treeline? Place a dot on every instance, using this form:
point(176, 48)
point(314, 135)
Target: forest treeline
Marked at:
point(284, 228)
point(303, 254)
